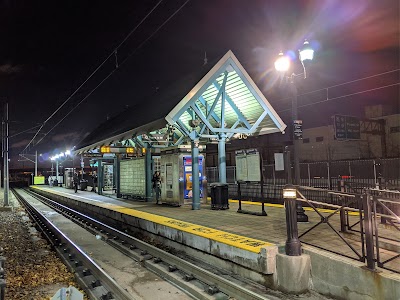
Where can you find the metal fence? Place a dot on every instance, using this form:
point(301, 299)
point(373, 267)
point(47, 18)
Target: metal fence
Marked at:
point(358, 174)
point(374, 243)
point(2, 275)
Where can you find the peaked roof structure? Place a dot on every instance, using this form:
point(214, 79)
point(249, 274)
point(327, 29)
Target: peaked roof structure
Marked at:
point(221, 97)
point(226, 100)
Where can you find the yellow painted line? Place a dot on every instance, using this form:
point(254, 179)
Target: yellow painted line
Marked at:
point(237, 241)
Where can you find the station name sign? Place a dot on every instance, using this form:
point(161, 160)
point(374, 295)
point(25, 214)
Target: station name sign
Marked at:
point(92, 154)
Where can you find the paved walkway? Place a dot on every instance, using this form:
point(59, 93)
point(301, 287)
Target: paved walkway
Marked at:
point(271, 228)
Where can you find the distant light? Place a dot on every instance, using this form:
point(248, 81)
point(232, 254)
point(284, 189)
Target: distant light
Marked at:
point(306, 52)
point(68, 152)
point(282, 64)
point(52, 158)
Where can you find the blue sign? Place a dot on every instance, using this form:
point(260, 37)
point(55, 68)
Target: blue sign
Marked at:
point(187, 176)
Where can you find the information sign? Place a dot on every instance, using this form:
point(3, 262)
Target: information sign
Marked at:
point(279, 162)
point(298, 129)
point(111, 149)
point(92, 154)
point(347, 127)
point(248, 165)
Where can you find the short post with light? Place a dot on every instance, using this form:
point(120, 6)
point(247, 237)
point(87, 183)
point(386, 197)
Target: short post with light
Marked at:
point(293, 245)
point(282, 64)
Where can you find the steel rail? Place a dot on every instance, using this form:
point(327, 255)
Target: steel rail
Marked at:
point(108, 282)
point(211, 279)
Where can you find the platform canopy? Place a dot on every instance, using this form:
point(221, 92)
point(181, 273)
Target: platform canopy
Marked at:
point(225, 101)
point(217, 99)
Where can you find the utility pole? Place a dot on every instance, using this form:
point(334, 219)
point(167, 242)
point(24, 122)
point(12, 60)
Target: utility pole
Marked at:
point(36, 163)
point(5, 154)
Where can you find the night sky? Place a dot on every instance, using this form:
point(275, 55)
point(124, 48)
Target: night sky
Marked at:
point(49, 48)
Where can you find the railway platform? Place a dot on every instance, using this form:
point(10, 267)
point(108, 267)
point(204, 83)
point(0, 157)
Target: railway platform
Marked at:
point(245, 244)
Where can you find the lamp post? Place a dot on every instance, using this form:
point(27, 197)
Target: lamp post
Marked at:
point(282, 64)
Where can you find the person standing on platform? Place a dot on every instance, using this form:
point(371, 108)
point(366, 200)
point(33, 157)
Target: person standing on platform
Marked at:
point(157, 185)
point(94, 178)
point(76, 182)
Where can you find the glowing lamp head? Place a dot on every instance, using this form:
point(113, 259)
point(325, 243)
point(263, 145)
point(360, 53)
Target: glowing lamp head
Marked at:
point(306, 52)
point(68, 152)
point(289, 192)
point(282, 64)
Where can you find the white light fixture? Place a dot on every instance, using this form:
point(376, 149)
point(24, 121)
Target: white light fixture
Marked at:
point(306, 52)
point(289, 192)
point(282, 64)
point(68, 152)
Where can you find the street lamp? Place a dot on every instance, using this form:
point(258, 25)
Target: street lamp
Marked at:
point(282, 64)
point(56, 157)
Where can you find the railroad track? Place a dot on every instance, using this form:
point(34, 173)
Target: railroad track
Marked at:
point(195, 280)
point(92, 278)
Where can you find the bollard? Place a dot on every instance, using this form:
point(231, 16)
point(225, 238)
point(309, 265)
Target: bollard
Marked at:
point(239, 196)
point(293, 245)
point(369, 236)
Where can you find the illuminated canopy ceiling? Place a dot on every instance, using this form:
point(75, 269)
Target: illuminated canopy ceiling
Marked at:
point(226, 101)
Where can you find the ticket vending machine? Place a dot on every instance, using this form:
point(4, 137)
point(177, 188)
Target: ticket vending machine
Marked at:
point(176, 176)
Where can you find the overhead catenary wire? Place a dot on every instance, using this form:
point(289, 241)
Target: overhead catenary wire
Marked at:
point(26, 130)
point(114, 52)
point(115, 69)
point(342, 96)
point(341, 84)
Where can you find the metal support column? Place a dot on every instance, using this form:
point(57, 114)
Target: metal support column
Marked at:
point(36, 163)
point(117, 173)
point(149, 173)
point(222, 158)
point(100, 177)
point(301, 216)
point(195, 175)
point(5, 147)
point(57, 170)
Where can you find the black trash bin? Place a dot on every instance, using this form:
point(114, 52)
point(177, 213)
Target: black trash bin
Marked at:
point(83, 184)
point(219, 195)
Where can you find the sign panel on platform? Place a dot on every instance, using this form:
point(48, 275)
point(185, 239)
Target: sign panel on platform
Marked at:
point(347, 127)
point(298, 129)
point(248, 165)
point(92, 155)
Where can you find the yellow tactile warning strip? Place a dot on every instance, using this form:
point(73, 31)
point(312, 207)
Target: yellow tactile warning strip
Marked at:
point(237, 241)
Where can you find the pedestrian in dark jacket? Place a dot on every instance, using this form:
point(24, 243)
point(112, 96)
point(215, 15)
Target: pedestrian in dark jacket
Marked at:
point(94, 177)
point(76, 181)
point(157, 185)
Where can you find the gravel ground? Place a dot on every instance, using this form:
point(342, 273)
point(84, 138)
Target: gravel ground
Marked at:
point(33, 271)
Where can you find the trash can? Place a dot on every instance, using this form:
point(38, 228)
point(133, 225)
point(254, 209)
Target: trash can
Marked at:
point(83, 184)
point(219, 195)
